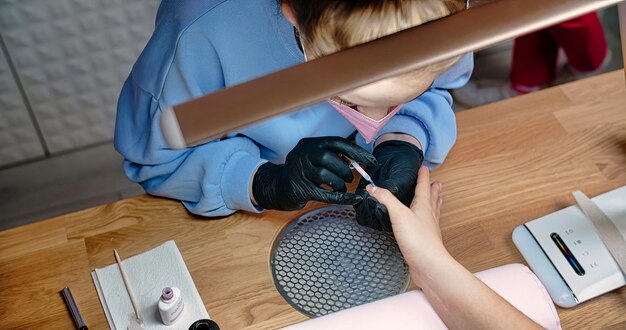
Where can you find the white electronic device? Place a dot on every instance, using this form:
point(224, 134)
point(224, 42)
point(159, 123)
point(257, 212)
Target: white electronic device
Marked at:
point(567, 254)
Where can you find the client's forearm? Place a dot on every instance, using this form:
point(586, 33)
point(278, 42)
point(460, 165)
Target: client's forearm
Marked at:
point(462, 301)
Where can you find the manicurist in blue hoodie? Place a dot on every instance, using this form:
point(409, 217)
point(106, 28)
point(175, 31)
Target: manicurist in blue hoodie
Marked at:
point(200, 46)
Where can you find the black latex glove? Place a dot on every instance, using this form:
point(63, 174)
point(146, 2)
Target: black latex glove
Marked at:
point(396, 171)
point(313, 162)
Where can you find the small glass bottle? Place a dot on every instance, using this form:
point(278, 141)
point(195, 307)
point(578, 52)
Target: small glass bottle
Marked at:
point(170, 305)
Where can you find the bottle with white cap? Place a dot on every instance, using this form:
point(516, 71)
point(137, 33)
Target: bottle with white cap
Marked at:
point(170, 305)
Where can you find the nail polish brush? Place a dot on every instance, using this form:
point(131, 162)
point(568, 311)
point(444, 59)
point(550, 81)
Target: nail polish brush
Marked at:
point(358, 168)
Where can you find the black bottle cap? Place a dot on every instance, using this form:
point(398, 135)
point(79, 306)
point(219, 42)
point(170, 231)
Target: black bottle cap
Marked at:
point(204, 324)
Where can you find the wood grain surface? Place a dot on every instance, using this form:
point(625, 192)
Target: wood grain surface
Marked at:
point(514, 161)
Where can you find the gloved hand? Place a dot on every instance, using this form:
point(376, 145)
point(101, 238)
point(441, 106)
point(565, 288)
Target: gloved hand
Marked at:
point(396, 171)
point(313, 162)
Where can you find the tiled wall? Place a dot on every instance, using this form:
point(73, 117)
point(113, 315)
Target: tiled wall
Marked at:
point(18, 137)
point(62, 66)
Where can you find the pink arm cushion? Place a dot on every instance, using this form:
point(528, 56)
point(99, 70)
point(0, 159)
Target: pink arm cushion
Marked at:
point(410, 310)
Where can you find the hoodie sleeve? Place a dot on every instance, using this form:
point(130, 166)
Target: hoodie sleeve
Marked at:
point(430, 118)
point(211, 179)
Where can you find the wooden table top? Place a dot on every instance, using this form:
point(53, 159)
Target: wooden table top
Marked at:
point(514, 161)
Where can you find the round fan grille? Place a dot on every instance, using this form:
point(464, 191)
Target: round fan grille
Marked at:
point(325, 261)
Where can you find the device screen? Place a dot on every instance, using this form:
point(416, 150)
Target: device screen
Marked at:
point(578, 268)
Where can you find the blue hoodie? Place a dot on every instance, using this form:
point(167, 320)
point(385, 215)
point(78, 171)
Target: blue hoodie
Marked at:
point(200, 46)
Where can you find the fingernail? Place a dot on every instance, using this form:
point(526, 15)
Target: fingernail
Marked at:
point(370, 188)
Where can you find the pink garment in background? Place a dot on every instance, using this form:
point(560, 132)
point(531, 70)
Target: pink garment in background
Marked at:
point(411, 310)
point(367, 126)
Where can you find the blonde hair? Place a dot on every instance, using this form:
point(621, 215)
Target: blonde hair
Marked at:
point(328, 26)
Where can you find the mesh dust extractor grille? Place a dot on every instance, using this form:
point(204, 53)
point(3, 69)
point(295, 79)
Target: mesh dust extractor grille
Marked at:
point(325, 262)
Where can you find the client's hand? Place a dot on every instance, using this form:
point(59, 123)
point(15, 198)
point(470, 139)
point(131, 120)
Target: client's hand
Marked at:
point(396, 171)
point(416, 228)
point(450, 288)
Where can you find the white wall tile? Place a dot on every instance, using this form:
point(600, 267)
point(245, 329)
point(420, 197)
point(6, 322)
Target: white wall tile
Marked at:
point(67, 54)
point(18, 138)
